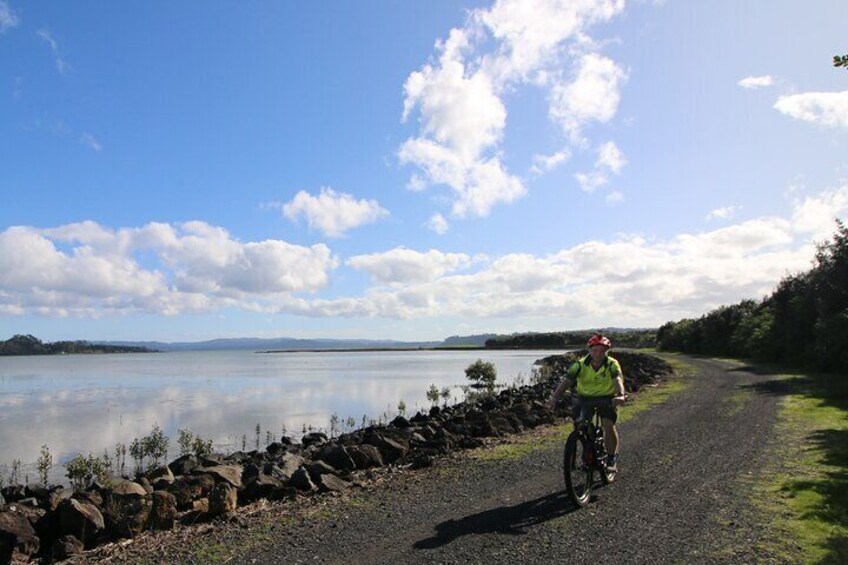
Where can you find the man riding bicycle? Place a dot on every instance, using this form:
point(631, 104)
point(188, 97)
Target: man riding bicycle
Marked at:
point(598, 377)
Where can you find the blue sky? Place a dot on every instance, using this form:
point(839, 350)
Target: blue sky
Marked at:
point(187, 171)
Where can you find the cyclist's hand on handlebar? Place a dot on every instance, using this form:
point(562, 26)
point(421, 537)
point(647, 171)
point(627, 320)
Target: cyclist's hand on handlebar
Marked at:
point(619, 400)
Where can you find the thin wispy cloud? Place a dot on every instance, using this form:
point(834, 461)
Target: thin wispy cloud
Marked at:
point(333, 213)
point(61, 65)
point(8, 17)
point(91, 141)
point(752, 83)
point(828, 109)
point(545, 163)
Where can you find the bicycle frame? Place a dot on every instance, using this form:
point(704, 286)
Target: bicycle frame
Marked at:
point(584, 455)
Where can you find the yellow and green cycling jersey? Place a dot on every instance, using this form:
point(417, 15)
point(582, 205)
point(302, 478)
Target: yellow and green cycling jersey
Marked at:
point(595, 383)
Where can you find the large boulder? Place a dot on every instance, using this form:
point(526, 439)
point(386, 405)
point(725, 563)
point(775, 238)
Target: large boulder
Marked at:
point(184, 465)
point(80, 519)
point(160, 477)
point(261, 486)
point(314, 438)
point(302, 481)
point(365, 456)
point(288, 464)
point(223, 499)
point(16, 535)
point(123, 487)
point(127, 511)
point(330, 482)
point(337, 457)
point(190, 488)
point(164, 510)
point(226, 473)
point(66, 547)
point(390, 450)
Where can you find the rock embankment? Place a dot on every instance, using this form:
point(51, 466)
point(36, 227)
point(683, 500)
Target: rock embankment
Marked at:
point(56, 522)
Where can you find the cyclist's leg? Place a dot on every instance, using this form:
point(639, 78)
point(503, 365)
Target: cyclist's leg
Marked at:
point(610, 436)
point(579, 411)
point(609, 415)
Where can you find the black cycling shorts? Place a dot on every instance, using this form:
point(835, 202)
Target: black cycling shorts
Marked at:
point(581, 409)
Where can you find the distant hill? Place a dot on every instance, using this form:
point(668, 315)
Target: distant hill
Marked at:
point(31, 345)
point(478, 340)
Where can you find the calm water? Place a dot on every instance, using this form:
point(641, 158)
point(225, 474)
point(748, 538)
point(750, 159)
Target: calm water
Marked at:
point(88, 403)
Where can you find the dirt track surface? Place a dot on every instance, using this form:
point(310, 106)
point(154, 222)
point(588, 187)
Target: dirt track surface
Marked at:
point(680, 497)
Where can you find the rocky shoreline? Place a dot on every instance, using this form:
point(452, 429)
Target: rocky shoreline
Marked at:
point(55, 523)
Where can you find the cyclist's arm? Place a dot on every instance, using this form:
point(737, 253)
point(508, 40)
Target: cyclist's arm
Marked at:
point(620, 393)
point(564, 385)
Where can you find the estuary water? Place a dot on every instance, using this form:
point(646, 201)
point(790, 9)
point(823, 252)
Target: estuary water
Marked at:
point(89, 403)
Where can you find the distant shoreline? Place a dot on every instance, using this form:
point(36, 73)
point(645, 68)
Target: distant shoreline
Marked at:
point(373, 349)
point(440, 348)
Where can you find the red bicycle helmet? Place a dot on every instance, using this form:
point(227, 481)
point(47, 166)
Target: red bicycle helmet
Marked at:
point(598, 339)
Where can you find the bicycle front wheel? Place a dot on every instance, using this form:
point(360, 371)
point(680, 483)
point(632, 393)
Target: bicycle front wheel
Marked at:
point(577, 469)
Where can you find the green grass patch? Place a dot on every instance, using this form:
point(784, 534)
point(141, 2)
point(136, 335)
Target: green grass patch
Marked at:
point(648, 397)
point(526, 444)
point(805, 488)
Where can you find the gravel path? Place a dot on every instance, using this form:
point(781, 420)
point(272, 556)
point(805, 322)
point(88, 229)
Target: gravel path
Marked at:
point(680, 497)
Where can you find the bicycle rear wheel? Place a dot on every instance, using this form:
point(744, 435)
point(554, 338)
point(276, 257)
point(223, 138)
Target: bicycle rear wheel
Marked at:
point(577, 469)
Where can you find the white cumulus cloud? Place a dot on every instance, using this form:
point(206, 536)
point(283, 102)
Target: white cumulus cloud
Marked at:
point(86, 269)
point(593, 95)
point(403, 266)
point(822, 108)
point(333, 213)
point(459, 100)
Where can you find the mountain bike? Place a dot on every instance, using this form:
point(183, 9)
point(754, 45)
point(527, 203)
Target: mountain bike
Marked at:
point(585, 455)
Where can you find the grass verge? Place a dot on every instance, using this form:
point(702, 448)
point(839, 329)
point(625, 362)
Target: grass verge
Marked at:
point(805, 487)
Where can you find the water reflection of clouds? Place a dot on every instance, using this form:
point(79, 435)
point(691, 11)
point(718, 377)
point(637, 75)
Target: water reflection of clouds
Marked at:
point(99, 407)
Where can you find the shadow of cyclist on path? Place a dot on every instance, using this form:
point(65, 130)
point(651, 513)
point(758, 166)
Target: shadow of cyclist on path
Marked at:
point(512, 520)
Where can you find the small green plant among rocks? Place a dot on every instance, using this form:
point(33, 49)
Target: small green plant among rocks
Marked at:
point(15, 473)
point(121, 458)
point(446, 395)
point(334, 425)
point(433, 394)
point(81, 471)
point(44, 464)
point(482, 375)
point(401, 407)
point(155, 445)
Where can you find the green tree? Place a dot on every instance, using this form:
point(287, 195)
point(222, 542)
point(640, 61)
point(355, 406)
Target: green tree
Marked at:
point(482, 374)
